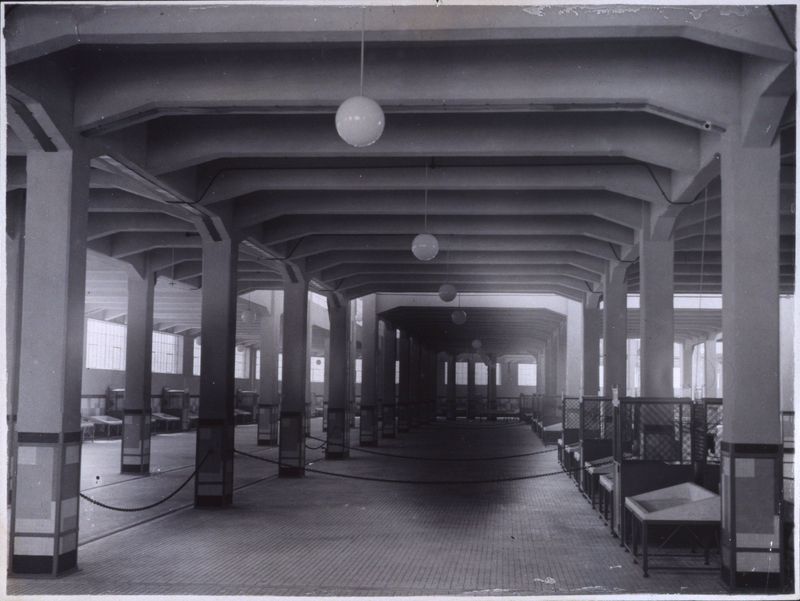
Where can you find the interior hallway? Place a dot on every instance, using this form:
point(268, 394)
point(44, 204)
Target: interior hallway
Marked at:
point(325, 535)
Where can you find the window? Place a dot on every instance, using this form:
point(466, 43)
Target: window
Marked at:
point(196, 357)
point(358, 371)
point(258, 364)
point(167, 353)
point(317, 369)
point(481, 374)
point(461, 373)
point(241, 363)
point(318, 299)
point(498, 378)
point(105, 345)
point(280, 367)
point(396, 372)
point(526, 374)
point(677, 368)
point(359, 312)
point(445, 372)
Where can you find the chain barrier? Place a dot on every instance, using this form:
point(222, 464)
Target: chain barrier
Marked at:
point(157, 503)
point(401, 481)
point(422, 458)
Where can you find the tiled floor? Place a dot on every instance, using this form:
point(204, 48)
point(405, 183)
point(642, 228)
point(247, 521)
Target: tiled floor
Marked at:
point(323, 535)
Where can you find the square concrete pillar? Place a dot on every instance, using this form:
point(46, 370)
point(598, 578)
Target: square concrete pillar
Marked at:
point(295, 378)
point(403, 399)
point(138, 374)
point(215, 425)
point(338, 431)
point(269, 384)
point(657, 274)
point(592, 332)
point(615, 329)
point(368, 424)
point(451, 387)
point(44, 510)
point(471, 400)
point(389, 407)
point(752, 451)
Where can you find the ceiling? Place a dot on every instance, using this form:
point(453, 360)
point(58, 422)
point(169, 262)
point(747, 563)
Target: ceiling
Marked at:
point(540, 135)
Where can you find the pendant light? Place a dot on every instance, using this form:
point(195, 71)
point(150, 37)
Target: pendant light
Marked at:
point(425, 246)
point(459, 316)
point(477, 344)
point(247, 315)
point(447, 292)
point(360, 120)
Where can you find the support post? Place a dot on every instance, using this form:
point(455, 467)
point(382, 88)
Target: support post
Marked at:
point(44, 511)
point(615, 330)
point(389, 408)
point(451, 387)
point(338, 434)
point(215, 426)
point(403, 400)
point(135, 457)
point(752, 451)
point(368, 424)
point(268, 396)
point(291, 446)
point(592, 331)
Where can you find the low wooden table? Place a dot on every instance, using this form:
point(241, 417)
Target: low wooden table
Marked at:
point(685, 505)
point(606, 482)
point(592, 470)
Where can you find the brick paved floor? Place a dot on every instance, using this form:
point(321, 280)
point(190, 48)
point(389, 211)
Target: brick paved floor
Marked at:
point(323, 535)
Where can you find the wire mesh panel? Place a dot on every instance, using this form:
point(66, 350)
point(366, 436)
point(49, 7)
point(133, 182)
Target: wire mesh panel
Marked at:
point(571, 413)
point(654, 430)
point(706, 424)
point(596, 418)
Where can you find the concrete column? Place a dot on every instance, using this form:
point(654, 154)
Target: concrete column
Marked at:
point(787, 353)
point(592, 331)
point(491, 387)
point(413, 382)
point(451, 387)
point(368, 426)
point(471, 404)
point(615, 329)
point(268, 394)
point(403, 400)
point(573, 349)
point(291, 445)
point(710, 367)
point(214, 481)
point(187, 367)
point(44, 511)
point(561, 384)
point(338, 433)
point(686, 368)
point(137, 411)
point(540, 373)
point(15, 251)
point(751, 438)
point(389, 409)
point(656, 285)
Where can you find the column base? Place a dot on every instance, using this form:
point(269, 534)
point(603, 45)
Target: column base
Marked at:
point(143, 468)
point(213, 500)
point(337, 454)
point(45, 565)
point(267, 443)
point(368, 443)
point(291, 471)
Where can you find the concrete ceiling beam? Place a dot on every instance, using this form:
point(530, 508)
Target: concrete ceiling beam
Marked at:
point(177, 143)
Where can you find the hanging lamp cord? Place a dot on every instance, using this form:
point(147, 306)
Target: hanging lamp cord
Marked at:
point(363, 10)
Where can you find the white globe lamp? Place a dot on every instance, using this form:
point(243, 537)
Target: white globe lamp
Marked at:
point(447, 292)
point(459, 317)
point(425, 247)
point(476, 344)
point(360, 121)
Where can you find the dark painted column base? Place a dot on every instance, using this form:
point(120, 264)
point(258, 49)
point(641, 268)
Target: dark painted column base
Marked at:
point(136, 469)
point(45, 565)
point(337, 455)
point(291, 452)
